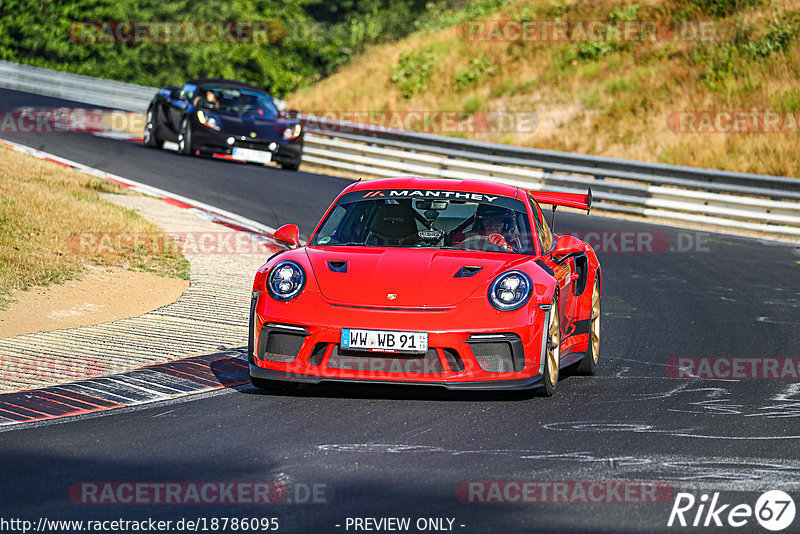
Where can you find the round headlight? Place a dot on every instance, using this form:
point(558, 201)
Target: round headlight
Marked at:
point(510, 290)
point(286, 280)
point(291, 132)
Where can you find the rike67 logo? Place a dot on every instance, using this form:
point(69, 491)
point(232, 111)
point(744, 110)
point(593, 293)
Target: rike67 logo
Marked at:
point(774, 510)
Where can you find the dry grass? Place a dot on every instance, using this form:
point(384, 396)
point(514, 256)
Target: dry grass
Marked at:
point(615, 105)
point(42, 204)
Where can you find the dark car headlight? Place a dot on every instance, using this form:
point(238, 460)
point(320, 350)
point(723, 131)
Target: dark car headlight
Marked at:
point(291, 132)
point(510, 290)
point(286, 280)
point(208, 120)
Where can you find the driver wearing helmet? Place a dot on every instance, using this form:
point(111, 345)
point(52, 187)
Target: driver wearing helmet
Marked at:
point(497, 225)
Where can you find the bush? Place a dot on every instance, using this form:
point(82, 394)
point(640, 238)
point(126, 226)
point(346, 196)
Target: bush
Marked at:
point(730, 58)
point(714, 8)
point(780, 34)
point(413, 71)
point(594, 50)
point(477, 69)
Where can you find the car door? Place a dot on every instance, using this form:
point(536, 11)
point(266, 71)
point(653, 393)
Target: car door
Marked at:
point(177, 106)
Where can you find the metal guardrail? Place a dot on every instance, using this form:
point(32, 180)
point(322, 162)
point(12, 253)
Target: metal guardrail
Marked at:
point(769, 204)
point(85, 89)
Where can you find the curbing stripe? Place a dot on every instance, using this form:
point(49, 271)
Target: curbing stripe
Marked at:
point(100, 390)
point(158, 382)
point(208, 325)
point(146, 385)
point(49, 403)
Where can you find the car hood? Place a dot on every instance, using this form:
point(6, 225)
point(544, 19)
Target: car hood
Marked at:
point(420, 278)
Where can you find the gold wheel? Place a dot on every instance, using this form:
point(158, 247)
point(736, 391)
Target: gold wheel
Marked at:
point(553, 346)
point(588, 365)
point(595, 326)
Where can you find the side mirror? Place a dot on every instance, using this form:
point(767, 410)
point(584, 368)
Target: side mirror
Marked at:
point(175, 94)
point(567, 246)
point(288, 235)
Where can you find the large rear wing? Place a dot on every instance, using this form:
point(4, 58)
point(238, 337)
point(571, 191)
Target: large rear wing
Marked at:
point(581, 201)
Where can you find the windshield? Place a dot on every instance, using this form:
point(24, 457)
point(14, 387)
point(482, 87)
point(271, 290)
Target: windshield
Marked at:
point(486, 223)
point(237, 101)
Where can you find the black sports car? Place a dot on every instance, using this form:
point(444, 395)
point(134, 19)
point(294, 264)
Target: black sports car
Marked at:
point(218, 116)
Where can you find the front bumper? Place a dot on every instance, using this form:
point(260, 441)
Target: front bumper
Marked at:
point(283, 152)
point(489, 349)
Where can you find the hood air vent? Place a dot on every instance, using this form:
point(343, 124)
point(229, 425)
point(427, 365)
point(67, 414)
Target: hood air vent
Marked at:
point(466, 271)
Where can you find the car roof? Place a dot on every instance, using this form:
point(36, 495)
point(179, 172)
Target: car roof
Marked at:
point(415, 182)
point(227, 83)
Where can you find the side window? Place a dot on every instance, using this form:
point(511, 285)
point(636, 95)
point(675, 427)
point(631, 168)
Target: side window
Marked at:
point(187, 91)
point(542, 228)
point(333, 222)
point(537, 222)
point(547, 234)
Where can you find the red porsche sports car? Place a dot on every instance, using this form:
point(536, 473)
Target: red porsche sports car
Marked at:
point(451, 283)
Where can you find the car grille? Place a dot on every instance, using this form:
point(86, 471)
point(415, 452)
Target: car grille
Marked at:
point(254, 145)
point(493, 357)
point(385, 361)
point(280, 346)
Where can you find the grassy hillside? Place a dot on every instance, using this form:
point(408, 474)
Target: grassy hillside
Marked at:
point(610, 98)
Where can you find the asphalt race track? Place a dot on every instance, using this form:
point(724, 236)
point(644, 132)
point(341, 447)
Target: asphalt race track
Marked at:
point(381, 452)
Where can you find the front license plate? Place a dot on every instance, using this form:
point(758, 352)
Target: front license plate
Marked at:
point(248, 154)
point(384, 340)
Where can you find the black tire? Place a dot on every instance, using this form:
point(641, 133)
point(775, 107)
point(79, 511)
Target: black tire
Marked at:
point(185, 139)
point(549, 383)
point(150, 137)
point(291, 166)
point(276, 386)
point(588, 365)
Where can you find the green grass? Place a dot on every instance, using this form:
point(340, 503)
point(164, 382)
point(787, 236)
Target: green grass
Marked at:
point(43, 210)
